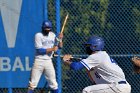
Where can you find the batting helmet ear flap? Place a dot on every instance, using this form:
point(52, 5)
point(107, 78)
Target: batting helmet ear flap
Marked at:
point(93, 47)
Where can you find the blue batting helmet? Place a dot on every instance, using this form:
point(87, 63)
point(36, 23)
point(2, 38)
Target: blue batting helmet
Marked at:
point(96, 43)
point(47, 24)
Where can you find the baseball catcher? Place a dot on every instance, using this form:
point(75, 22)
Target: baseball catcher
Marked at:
point(136, 64)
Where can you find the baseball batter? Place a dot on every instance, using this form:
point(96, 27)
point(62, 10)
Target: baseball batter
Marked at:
point(108, 76)
point(45, 44)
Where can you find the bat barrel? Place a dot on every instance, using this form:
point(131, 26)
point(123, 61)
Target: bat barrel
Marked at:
point(62, 30)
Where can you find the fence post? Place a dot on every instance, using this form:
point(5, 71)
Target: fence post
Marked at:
point(45, 9)
point(9, 90)
point(58, 61)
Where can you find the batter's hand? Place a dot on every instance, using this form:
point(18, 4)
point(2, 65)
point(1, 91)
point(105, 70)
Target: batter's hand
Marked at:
point(61, 36)
point(66, 57)
point(59, 39)
point(55, 48)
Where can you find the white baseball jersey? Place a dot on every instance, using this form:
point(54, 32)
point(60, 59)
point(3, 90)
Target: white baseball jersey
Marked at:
point(102, 70)
point(43, 63)
point(45, 42)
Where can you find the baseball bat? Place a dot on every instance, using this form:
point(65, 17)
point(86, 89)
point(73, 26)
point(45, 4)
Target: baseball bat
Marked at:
point(55, 55)
point(62, 30)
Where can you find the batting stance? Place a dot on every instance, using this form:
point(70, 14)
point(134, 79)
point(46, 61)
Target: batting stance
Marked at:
point(108, 76)
point(45, 44)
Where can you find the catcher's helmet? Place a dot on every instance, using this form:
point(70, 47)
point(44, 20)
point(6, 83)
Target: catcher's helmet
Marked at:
point(47, 24)
point(96, 43)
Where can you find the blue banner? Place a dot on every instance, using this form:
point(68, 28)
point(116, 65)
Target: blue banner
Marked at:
point(19, 21)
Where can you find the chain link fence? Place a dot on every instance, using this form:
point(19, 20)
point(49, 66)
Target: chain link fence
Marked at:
point(117, 21)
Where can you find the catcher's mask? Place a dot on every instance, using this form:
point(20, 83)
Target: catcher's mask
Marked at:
point(94, 43)
point(46, 27)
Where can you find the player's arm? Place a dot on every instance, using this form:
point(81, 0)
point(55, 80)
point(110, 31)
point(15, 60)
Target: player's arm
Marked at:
point(61, 38)
point(39, 49)
point(58, 41)
point(73, 65)
point(58, 44)
point(43, 51)
point(55, 48)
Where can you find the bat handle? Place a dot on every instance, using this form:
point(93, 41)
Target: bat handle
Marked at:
point(55, 55)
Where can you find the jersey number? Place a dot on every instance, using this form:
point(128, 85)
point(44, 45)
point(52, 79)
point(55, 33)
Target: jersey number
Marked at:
point(97, 75)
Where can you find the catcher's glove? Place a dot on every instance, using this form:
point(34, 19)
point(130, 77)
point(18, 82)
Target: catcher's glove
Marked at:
point(136, 64)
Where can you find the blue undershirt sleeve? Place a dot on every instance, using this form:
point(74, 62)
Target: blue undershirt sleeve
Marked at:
point(76, 66)
point(41, 51)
